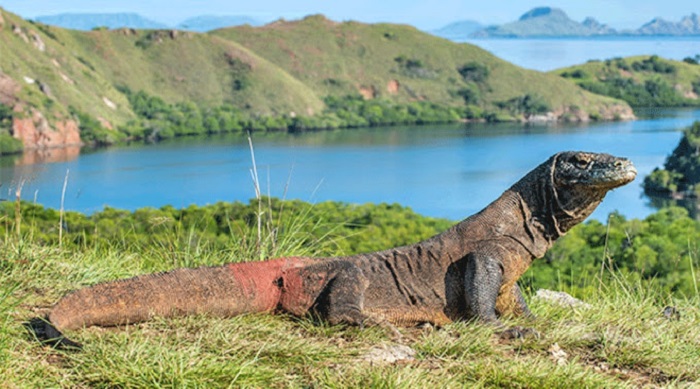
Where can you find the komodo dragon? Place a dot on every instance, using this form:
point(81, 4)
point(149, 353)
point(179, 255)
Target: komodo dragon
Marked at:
point(467, 272)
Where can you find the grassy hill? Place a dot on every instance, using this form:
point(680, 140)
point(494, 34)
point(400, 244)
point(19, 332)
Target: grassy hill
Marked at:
point(285, 69)
point(396, 61)
point(642, 81)
point(619, 338)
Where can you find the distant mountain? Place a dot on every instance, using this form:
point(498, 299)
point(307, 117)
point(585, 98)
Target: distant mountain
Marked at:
point(545, 21)
point(689, 25)
point(554, 22)
point(86, 22)
point(212, 22)
point(459, 30)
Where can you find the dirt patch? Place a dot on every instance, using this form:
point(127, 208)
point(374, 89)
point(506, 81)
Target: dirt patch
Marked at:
point(105, 123)
point(625, 73)
point(8, 90)
point(393, 87)
point(368, 92)
point(641, 377)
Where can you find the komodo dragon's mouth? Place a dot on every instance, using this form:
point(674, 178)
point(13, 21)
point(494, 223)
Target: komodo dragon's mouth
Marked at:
point(628, 174)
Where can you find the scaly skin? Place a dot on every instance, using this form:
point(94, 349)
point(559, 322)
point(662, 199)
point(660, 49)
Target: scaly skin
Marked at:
point(467, 272)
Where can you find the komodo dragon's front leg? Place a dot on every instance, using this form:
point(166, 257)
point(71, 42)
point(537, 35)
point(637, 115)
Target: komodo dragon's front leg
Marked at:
point(490, 294)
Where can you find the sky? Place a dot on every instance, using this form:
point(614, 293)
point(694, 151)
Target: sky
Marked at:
point(424, 14)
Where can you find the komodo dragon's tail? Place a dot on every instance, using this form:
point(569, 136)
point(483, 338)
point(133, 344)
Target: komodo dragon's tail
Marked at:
point(220, 291)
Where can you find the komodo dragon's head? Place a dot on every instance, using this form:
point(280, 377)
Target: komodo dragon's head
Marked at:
point(580, 180)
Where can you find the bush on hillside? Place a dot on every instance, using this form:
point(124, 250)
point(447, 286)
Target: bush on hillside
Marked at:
point(680, 175)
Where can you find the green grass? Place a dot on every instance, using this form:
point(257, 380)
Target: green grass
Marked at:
point(622, 340)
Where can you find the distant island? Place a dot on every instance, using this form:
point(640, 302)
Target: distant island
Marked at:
point(553, 22)
point(91, 21)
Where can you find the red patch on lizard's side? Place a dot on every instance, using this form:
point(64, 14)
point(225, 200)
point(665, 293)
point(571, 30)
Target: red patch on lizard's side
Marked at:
point(301, 288)
point(259, 282)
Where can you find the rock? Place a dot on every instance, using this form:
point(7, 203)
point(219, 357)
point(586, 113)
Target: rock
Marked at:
point(46, 89)
point(617, 112)
point(29, 80)
point(672, 313)
point(66, 78)
point(38, 42)
point(17, 30)
point(561, 299)
point(558, 355)
point(549, 117)
point(35, 132)
point(389, 354)
point(109, 103)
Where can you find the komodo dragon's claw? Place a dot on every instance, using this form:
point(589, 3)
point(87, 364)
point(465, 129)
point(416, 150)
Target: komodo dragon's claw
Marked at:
point(518, 332)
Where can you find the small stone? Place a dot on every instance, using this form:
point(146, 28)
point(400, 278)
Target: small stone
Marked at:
point(558, 355)
point(389, 354)
point(561, 299)
point(672, 313)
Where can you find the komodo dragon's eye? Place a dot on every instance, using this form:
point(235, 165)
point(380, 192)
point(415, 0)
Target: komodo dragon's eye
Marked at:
point(580, 161)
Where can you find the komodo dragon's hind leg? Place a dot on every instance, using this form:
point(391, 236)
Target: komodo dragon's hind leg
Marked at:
point(342, 299)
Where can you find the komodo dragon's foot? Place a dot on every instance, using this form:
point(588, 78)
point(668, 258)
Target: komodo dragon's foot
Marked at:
point(47, 334)
point(518, 332)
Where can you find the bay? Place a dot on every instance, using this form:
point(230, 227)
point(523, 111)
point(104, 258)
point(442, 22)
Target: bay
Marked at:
point(545, 54)
point(449, 171)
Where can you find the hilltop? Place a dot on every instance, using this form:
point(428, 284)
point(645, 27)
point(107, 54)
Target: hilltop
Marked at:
point(206, 23)
point(89, 21)
point(642, 81)
point(60, 83)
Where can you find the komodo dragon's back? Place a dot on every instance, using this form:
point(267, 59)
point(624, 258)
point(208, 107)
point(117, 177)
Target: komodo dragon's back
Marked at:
point(467, 272)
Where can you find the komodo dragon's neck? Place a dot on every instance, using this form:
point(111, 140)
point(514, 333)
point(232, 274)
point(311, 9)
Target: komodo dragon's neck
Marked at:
point(530, 212)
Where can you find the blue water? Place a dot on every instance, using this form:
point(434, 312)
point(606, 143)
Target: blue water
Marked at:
point(445, 171)
point(549, 54)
